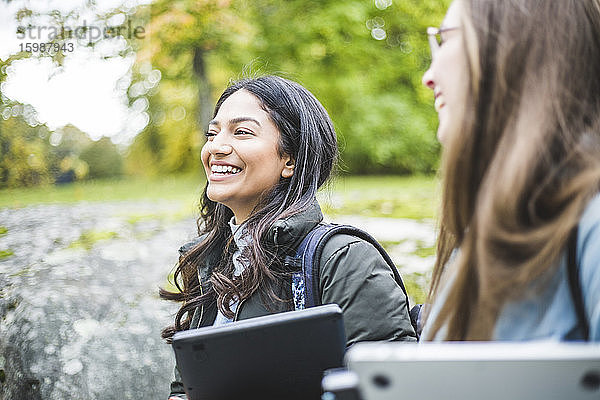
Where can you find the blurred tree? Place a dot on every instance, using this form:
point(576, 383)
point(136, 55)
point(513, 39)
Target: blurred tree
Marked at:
point(29, 153)
point(364, 60)
point(103, 159)
point(66, 146)
point(32, 155)
point(23, 154)
point(184, 35)
point(23, 142)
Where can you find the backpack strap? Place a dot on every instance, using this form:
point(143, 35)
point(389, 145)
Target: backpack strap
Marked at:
point(305, 284)
point(575, 284)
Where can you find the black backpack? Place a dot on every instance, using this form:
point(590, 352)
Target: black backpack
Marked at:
point(305, 282)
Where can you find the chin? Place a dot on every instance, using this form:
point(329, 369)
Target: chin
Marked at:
point(214, 196)
point(441, 135)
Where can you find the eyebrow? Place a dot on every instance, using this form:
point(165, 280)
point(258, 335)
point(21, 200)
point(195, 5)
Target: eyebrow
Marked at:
point(236, 121)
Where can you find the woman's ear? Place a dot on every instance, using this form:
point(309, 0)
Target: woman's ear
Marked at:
point(288, 168)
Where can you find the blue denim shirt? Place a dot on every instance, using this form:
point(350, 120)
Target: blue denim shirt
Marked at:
point(550, 314)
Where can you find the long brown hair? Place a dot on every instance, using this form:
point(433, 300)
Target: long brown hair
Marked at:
point(307, 135)
point(526, 160)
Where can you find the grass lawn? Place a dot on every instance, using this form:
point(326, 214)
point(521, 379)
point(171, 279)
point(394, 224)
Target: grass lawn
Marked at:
point(176, 187)
point(412, 197)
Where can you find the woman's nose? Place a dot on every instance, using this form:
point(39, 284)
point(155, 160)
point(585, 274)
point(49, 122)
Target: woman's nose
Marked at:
point(219, 145)
point(428, 79)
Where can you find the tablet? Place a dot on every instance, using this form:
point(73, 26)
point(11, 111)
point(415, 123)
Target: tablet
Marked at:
point(279, 356)
point(475, 371)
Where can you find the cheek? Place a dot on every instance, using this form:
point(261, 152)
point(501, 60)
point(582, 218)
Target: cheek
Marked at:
point(267, 173)
point(204, 155)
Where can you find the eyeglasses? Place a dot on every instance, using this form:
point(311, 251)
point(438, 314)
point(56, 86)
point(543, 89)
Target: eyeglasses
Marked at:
point(436, 38)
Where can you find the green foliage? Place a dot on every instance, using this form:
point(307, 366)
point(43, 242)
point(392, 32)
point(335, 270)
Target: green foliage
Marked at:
point(424, 251)
point(23, 154)
point(182, 35)
point(4, 253)
point(371, 88)
point(171, 143)
point(103, 159)
point(31, 155)
point(363, 60)
point(64, 148)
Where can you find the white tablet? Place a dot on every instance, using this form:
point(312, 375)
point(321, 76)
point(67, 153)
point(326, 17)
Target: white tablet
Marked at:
point(477, 371)
point(280, 356)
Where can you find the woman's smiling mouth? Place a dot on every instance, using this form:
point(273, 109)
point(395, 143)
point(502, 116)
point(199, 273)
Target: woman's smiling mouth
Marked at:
point(439, 101)
point(224, 169)
point(219, 172)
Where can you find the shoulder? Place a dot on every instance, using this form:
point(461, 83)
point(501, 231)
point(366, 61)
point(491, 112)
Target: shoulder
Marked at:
point(589, 224)
point(588, 235)
point(588, 259)
point(341, 241)
point(356, 276)
point(352, 250)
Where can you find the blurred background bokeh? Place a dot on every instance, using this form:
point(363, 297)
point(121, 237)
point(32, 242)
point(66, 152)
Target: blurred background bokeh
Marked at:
point(363, 59)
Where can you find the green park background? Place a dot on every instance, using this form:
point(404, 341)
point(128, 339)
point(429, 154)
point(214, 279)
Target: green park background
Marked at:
point(362, 59)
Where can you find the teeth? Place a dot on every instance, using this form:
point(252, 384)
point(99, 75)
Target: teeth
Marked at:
point(224, 169)
point(439, 102)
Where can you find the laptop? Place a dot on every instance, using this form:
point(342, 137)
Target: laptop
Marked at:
point(476, 371)
point(279, 356)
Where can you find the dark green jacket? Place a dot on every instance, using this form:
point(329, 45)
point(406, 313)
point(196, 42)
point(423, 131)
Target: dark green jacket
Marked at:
point(352, 274)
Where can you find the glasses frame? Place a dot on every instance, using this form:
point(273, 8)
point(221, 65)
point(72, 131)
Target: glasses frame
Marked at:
point(434, 36)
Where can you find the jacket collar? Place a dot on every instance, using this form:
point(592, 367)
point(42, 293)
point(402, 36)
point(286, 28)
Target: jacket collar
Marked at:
point(287, 233)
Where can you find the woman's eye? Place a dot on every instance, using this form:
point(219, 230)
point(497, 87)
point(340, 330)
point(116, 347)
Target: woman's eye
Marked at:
point(443, 38)
point(445, 34)
point(209, 135)
point(242, 132)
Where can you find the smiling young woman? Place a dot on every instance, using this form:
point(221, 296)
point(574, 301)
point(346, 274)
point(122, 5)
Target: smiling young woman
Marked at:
point(241, 156)
point(270, 146)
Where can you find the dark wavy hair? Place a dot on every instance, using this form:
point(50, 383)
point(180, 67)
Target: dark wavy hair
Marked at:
point(308, 136)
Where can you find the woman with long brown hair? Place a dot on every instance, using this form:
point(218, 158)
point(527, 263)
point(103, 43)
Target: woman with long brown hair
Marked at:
point(517, 91)
point(270, 146)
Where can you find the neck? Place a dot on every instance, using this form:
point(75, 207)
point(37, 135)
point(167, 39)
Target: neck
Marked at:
point(240, 218)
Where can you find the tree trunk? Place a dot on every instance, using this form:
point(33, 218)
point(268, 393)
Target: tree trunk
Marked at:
point(204, 99)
